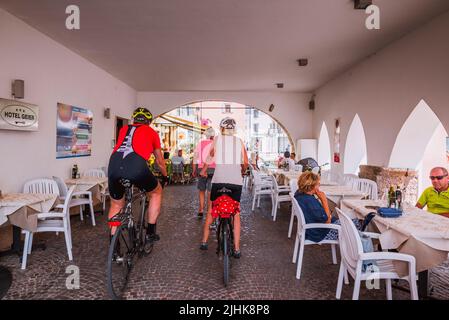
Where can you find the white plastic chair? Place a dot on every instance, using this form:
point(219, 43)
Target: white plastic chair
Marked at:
point(263, 185)
point(46, 186)
point(298, 167)
point(368, 187)
point(51, 222)
point(99, 173)
point(352, 257)
point(301, 242)
point(316, 170)
point(350, 180)
point(280, 194)
point(293, 188)
point(77, 199)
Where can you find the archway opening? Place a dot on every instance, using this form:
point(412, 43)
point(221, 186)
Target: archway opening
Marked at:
point(181, 128)
point(355, 149)
point(420, 144)
point(324, 147)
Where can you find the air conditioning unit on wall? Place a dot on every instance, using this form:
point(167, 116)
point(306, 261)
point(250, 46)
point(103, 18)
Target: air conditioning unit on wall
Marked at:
point(307, 148)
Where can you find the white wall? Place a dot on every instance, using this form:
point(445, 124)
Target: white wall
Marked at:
point(414, 137)
point(291, 109)
point(385, 88)
point(434, 156)
point(53, 74)
point(355, 150)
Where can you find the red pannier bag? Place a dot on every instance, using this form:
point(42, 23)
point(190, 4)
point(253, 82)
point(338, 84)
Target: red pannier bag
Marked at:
point(224, 207)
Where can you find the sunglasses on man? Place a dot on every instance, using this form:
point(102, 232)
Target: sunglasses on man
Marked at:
point(437, 177)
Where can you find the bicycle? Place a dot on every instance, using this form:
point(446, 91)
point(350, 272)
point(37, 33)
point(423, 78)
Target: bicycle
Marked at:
point(225, 237)
point(128, 241)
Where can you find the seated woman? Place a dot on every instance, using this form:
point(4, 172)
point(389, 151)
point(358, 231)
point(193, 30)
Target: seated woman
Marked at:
point(315, 208)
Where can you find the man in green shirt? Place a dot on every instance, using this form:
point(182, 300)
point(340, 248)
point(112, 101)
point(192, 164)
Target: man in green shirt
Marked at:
point(436, 198)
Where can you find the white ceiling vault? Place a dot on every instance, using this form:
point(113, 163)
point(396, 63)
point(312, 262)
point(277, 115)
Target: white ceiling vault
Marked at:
point(232, 45)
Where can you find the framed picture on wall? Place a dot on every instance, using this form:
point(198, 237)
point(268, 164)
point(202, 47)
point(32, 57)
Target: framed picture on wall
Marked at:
point(73, 131)
point(337, 141)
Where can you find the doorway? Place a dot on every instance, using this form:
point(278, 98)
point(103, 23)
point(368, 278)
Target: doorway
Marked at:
point(119, 123)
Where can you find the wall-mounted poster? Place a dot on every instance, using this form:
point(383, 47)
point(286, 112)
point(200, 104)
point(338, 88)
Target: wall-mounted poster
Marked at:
point(18, 115)
point(337, 141)
point(73, 132)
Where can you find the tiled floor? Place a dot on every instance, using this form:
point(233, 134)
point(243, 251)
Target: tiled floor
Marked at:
point(177, 269)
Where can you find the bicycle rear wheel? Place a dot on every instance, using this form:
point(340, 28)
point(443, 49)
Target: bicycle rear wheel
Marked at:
point(226, 250)
point(120, 258)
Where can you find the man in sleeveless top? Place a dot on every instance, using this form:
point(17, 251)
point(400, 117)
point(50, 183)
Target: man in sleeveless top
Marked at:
point(231, 161)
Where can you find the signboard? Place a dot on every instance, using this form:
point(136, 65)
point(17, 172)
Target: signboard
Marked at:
point(337, 141)
point(73, 131)
point(18, 115)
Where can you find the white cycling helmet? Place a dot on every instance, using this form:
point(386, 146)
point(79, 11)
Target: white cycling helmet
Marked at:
point(228, 123)
point(209, 132)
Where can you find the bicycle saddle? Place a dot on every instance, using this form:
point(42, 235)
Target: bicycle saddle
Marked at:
point(125, 182)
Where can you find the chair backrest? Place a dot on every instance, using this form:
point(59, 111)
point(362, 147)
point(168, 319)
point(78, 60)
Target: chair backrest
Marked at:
point(298, 167)
point(368, 187)
point(97, 173)
point(297, 211)
point(61, 186)
point(293, 185)
point(68, 198)
point(350, 242)
point(350, 180)
point(275, 183)
point(44, 185)
point(316, 170)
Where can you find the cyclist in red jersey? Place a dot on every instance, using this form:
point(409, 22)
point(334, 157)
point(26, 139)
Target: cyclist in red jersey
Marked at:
point(129, 160)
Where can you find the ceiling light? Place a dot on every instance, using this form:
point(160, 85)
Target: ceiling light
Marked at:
point(362, 4)
point(303, 62)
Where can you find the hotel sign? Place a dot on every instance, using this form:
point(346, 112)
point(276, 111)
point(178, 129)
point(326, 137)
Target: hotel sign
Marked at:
point(18, 115)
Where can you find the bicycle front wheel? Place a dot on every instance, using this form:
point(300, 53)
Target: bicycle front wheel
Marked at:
point(119, 262)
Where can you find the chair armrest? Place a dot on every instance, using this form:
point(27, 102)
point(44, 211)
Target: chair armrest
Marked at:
point(284, 188)
point(51, 215)
point(388, 256)
point(82, 193)
point(322, 225)
point(372, 235)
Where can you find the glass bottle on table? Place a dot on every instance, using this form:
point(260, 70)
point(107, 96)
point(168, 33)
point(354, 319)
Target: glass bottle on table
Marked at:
point(391, 197)
point(398, 195)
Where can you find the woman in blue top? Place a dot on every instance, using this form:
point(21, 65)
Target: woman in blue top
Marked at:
point(315, 207)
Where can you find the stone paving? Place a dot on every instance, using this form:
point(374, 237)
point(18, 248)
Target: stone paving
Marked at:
point(177, 269)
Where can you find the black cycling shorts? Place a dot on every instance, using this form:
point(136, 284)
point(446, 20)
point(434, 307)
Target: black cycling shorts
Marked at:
point(220, 189)
point(134, 168)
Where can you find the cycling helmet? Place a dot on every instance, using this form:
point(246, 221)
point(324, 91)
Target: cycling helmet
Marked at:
point(209, 132)
point(228, 123)
point(142, 115)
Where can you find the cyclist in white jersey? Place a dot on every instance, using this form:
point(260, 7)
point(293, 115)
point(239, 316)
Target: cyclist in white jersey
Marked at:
point(231, 161)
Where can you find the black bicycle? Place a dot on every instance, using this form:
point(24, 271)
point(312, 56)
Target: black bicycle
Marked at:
point(128, 242)
point(225, 237)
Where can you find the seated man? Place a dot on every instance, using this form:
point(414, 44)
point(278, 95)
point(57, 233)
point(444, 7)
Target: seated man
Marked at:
point(178, 166)
point(436, 198)
point(287, 161)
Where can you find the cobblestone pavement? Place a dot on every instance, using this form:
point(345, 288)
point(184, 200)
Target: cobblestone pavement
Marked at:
point(177, 269)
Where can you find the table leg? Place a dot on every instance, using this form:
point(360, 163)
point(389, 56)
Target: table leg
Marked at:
point(423, 284)
point(17, 244)
point(5, 281)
